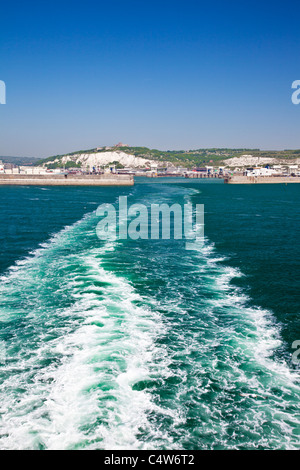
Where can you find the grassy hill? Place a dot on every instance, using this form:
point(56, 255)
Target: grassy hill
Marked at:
point(20, 160)
point(186, 158)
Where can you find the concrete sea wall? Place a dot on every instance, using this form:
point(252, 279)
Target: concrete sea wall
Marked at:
point(262, 179)
point(67, 180)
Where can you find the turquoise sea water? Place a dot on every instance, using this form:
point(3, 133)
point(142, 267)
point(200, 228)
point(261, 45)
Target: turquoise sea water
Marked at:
point(143, 344)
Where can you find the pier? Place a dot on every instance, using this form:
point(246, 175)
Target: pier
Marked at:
point(67, 180)
point(235, 179)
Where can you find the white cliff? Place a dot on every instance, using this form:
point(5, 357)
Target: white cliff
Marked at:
point(104, 158)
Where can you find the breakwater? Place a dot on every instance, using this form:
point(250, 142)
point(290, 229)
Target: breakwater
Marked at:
point(67, 180)
point(262, 179)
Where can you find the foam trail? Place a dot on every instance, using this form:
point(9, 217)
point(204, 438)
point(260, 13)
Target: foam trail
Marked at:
point(150, 346)
point(229, 379)
point(72, 384)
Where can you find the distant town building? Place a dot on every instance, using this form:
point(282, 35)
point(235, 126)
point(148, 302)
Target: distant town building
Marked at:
point(292, 169)
point(121, 145)
point(260, 172)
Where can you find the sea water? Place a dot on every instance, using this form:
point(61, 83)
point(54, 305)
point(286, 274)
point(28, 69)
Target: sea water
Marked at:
point(142, 344)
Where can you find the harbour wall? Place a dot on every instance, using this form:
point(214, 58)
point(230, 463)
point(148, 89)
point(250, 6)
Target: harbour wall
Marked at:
point(67, 180)
point(262, 179)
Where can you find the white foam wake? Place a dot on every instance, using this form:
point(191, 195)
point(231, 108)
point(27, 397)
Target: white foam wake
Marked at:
point(103, 344)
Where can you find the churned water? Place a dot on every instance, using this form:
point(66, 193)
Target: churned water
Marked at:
point(143, 344)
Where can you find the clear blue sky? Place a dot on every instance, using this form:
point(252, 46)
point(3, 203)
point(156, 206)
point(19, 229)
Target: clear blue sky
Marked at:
point(164, 74)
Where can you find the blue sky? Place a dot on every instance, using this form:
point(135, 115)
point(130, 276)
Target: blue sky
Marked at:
point(169, 75)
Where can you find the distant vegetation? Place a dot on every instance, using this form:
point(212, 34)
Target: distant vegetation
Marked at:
point(186, 158)
point(20, 160)
point(282, 154)
point(70, 164)
point(41, 161)
point(117, 164)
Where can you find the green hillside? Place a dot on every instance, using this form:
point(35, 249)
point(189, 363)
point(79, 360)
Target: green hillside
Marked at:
point(187, 158)
point(20, 160)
